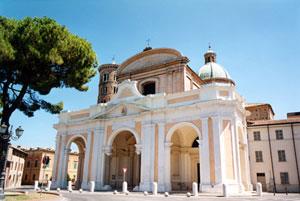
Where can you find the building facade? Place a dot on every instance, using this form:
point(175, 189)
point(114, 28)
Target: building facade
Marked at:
point(165, 124)
point(34, 170)
point(14, 167)
point(274, 147)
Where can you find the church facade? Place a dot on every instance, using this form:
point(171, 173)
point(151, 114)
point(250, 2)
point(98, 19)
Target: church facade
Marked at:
point(161, 121)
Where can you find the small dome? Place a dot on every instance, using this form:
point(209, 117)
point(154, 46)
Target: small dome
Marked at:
point(213, 70)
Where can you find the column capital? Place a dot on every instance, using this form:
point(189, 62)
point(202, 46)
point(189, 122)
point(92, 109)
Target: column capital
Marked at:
point(200, 142)
point(168, 144)
point(107, 150)
point(138, 149)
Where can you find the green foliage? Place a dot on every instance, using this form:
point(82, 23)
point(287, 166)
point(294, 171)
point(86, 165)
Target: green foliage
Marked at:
point(37, 55)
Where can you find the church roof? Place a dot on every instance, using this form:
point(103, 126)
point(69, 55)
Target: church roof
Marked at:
point(151, 57)
point(213, 70)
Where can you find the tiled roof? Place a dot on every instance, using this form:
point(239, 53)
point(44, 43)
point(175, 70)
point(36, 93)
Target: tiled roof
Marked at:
point(273, 122)
point(259, 104)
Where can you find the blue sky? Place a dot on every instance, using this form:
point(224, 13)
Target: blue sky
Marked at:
point(257, 41)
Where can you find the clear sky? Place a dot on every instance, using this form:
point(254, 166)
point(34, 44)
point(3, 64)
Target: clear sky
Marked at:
point(257, 41)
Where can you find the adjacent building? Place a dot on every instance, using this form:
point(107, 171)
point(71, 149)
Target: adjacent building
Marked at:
point(35, 170)
point(274, 148)
point(14, 167)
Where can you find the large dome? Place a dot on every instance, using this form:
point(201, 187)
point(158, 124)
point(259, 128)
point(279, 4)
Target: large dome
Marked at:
point(213, 70)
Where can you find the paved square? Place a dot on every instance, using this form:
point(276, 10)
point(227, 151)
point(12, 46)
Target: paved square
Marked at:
point(76, 196)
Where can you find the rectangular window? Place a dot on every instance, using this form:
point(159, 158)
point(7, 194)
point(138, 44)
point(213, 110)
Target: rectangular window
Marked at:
point(115, 90)
point(284, 177)
point(75, 165)
point(256, 135)
point(104, 90)
point(35, 163)
point(28, 164)
point(279, 135)
point(259, 156)
point(281, 156)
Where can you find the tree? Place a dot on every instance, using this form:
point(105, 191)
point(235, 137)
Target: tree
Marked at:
point(36, 56)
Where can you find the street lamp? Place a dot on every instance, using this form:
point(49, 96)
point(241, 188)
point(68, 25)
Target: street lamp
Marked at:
point(6, 135)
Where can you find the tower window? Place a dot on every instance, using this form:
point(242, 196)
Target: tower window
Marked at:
point(149, 88)
point(104, 90)
point(105, 77)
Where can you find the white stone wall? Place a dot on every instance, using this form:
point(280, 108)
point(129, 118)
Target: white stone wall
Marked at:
point(105, 121)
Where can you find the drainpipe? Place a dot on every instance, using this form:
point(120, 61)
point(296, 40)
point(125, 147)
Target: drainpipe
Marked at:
point(270, 147)
point(295, 152)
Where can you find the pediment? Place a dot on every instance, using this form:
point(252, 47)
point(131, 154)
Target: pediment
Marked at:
point(120, 110)
point(126, 90)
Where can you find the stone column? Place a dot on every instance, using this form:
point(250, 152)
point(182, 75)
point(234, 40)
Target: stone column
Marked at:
point(167, 166)
point(218, 145)
point(84, 184)
point(204, 159)
point(248, 173)
point(61, 161)
point(161, 157)
point(107, 150)
point(138, 151)
point(237, 154)
point(65, 161)
point(147, 160)
point(200, 142)
point(55, 170)
point(98, 164)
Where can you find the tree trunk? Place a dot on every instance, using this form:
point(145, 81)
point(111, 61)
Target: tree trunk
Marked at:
point(4, 152)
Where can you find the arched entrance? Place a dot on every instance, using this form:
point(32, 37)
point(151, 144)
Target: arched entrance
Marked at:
point(75, 161)
point(184, 160)
point(123, 155)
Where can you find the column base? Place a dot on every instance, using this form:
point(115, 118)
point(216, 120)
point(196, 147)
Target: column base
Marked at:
point(2, 196)
point(54, 185)
point(218, 188)
point(85, 185)
point(145, 186)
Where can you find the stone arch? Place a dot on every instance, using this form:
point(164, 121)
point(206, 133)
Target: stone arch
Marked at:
point(111, 138)
point(184, 157)
point(179, 125)
point(73, 138)
point(69, 171)
point(124, 152)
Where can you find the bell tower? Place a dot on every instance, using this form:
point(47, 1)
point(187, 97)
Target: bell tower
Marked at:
point(107, 82)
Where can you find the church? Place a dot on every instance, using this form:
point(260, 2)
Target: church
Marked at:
point(161, 122)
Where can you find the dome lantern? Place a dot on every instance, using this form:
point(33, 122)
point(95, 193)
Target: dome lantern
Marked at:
point(210, 55)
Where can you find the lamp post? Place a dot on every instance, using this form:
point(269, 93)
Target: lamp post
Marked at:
point(6, 134)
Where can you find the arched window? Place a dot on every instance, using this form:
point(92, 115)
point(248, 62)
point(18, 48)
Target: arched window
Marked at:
point(195, 143)
point(148, 88)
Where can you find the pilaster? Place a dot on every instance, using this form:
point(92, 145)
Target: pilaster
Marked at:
point(84, 184)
